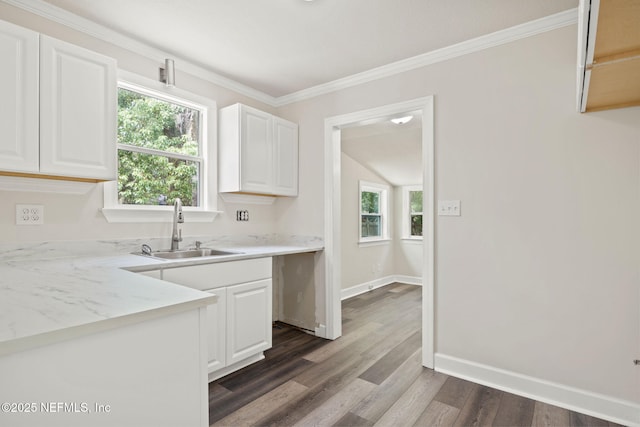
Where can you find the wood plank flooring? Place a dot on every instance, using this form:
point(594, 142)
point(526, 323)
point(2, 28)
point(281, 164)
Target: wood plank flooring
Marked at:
point(372, 375)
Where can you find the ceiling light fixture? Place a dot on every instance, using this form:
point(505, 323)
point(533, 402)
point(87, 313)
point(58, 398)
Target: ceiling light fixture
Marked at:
point(168, 73)
point(402, 120)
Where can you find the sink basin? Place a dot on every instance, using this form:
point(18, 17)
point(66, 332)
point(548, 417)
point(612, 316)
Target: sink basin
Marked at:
point(190, 253)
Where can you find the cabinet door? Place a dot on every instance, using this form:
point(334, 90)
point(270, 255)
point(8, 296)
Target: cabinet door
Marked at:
point(78, 111)
point(216, 331)
point(255, 150)
point(18, 99)
point(285, 157)
point(248, 319)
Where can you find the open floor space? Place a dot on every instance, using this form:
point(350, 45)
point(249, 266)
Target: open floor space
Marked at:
point(372, 375)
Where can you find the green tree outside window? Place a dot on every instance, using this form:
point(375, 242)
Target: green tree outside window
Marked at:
point(370, 214)
point(415, 211)
point(158, 151)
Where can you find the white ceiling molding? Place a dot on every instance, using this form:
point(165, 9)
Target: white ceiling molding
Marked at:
point(528, 29)
point(508, 35)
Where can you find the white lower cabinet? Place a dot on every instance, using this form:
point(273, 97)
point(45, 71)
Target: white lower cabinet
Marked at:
point(139, 374)
point(248, 320)
point(239, 324)
point(217, 331)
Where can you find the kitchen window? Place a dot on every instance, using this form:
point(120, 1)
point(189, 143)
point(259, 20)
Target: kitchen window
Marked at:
point(165, 151)
point(412, 212)
point(374, 218)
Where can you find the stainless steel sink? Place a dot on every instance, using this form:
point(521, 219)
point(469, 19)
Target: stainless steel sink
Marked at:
point(188, 253)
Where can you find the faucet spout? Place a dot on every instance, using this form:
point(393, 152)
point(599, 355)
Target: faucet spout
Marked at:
point(178, 218)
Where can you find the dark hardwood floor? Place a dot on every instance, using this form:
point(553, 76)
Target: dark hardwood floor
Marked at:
point(372, 375)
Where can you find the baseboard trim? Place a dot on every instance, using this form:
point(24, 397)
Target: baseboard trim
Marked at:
point(321, 331)
point(235, 367)
point(408, 280)
point(378, 283)
point(594, 404)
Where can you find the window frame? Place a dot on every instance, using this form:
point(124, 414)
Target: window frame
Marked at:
point(206, 212)
point(406, 212)
point(383, 190)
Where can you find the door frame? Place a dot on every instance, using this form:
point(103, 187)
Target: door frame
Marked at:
point(332, 211)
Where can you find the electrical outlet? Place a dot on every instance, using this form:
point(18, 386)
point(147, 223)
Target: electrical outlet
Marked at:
point(29, 214)
point(242, 215)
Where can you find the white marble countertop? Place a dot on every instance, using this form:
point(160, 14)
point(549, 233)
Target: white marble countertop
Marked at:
point(61, 296)
point(238, 252)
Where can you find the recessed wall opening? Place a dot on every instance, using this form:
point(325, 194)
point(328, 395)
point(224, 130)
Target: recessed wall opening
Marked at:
point(350, 126)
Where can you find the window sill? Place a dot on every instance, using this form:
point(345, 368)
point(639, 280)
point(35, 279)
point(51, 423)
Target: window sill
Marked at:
point(380, 242)
point(415, 240)
point(151, 214)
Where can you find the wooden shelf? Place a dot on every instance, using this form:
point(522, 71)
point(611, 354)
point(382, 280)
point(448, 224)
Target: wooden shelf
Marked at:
point(609, 63)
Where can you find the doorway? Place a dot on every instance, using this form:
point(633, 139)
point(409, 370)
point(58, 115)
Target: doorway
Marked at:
point(333, 128)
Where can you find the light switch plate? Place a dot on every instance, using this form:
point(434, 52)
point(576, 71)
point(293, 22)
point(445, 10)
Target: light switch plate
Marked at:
point(448, 207)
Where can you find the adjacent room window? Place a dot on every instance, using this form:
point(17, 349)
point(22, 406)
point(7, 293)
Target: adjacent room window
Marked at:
point(159, 149)
point(373, 212)
point(412, 212)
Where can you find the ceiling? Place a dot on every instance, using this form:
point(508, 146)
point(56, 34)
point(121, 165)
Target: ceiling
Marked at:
point(279, 47)
point(392, 151)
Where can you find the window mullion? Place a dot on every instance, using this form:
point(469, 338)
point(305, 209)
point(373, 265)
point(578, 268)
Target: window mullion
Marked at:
point(155, 152)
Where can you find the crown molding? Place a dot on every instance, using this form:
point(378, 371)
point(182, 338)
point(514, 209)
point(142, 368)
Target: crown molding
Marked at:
point(508, 35)
point(78, 23)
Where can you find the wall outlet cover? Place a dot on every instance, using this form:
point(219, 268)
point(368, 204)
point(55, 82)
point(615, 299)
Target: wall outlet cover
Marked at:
point(242, 215)
point(29, 214)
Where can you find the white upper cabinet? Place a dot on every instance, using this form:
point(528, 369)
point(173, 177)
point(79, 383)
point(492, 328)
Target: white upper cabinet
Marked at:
point(258, 152)
point(18, 99)
point(285, 157)
point(58, 108)
point(78, 111)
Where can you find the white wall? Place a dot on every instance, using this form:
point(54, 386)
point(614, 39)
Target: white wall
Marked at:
point(540, 274)
point(69, 217)
point(407, 254)
point(362, 264)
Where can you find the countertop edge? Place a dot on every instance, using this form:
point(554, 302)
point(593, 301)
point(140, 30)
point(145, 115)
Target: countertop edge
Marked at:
point(185, 262)
point(59, 335)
